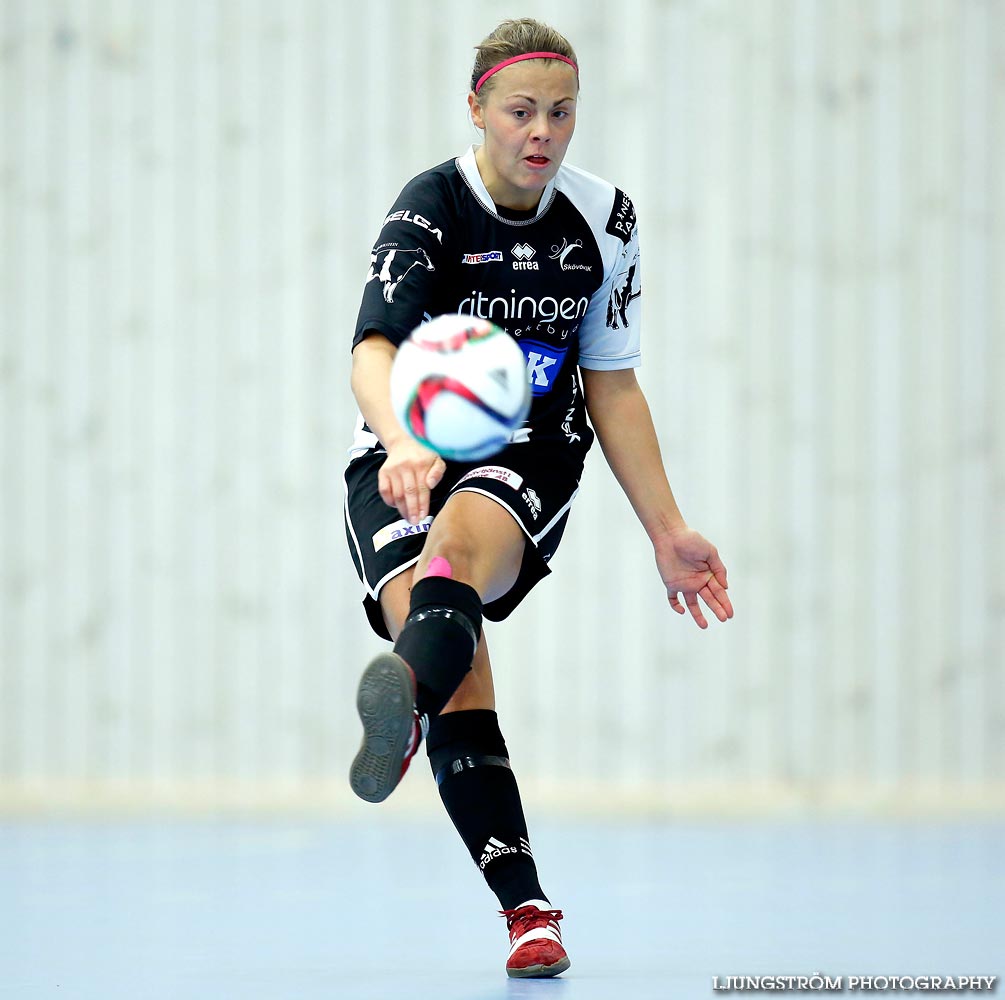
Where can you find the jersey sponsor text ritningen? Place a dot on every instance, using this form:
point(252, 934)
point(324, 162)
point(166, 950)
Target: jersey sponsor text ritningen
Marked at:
point(546, 308)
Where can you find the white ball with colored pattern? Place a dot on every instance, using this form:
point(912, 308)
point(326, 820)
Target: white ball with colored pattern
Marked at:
point(459, 386)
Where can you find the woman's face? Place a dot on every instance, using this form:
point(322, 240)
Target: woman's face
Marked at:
point(528, 113)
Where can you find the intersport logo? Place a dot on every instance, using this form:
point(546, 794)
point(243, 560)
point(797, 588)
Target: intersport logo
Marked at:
point(489, 257)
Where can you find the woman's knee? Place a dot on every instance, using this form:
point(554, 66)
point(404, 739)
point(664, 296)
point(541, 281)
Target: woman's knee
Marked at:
point(457, 546)
point(480, 541)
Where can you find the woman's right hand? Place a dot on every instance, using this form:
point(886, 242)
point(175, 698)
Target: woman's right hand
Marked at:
point(407, 476)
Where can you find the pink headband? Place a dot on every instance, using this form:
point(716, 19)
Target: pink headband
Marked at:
point(516, 59)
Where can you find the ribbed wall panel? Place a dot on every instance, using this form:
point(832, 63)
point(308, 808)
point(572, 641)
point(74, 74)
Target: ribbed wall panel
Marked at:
point(188, 193)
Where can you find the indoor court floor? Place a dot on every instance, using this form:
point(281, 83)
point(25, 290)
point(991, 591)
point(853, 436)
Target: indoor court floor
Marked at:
point(387, 907)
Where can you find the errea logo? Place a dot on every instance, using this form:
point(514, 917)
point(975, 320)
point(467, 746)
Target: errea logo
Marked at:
point(523, 253)
point(533, 501)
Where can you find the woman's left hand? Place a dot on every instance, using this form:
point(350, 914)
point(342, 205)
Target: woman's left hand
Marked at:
point(690, 565)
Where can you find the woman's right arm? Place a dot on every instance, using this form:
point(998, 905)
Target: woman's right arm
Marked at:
point(410, 470)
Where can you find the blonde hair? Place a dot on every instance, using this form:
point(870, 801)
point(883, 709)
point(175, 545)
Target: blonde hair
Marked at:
point(516, 37)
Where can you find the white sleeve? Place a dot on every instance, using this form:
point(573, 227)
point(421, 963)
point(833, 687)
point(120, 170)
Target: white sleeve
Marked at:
point(609, 335)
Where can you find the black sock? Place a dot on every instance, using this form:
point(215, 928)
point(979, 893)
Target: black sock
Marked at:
point(469, 760)
point(439, 638)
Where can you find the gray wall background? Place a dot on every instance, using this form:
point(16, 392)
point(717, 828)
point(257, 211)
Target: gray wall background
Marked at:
point(188, 194)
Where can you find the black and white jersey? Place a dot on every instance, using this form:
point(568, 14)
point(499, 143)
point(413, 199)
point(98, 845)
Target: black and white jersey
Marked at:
point(563, 280)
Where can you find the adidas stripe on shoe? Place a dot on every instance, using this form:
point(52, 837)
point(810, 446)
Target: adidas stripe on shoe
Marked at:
point(392, 729)
point(536, 950)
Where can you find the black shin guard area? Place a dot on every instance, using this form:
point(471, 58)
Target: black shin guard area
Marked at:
point(468, 757)
point(439, 638)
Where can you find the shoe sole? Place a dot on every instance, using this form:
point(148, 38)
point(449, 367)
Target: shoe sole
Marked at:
point(540, 971)
point(385, 705)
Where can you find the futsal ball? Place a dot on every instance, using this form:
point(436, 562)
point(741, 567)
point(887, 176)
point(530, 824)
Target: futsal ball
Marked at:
point(459, 386)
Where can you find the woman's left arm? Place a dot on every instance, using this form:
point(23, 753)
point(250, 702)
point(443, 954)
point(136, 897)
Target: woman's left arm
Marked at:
point(688, 563)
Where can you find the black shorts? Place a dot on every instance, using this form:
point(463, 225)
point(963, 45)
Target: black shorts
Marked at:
point(535, 481)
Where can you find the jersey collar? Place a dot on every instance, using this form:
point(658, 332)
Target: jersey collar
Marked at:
point(468, 169)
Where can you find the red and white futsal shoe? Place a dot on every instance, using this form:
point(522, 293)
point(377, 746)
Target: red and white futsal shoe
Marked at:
point(536, 950)
point(392, 728)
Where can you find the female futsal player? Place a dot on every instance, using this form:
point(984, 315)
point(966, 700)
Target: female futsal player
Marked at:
point(508, 232)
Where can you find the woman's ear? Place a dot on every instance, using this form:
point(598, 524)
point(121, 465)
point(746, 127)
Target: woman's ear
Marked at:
point(476, 110)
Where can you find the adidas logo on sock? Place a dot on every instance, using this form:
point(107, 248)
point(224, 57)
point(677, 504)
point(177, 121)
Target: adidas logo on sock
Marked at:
point(495, 849)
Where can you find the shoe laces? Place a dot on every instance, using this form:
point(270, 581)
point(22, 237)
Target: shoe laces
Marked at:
point(526, 918)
